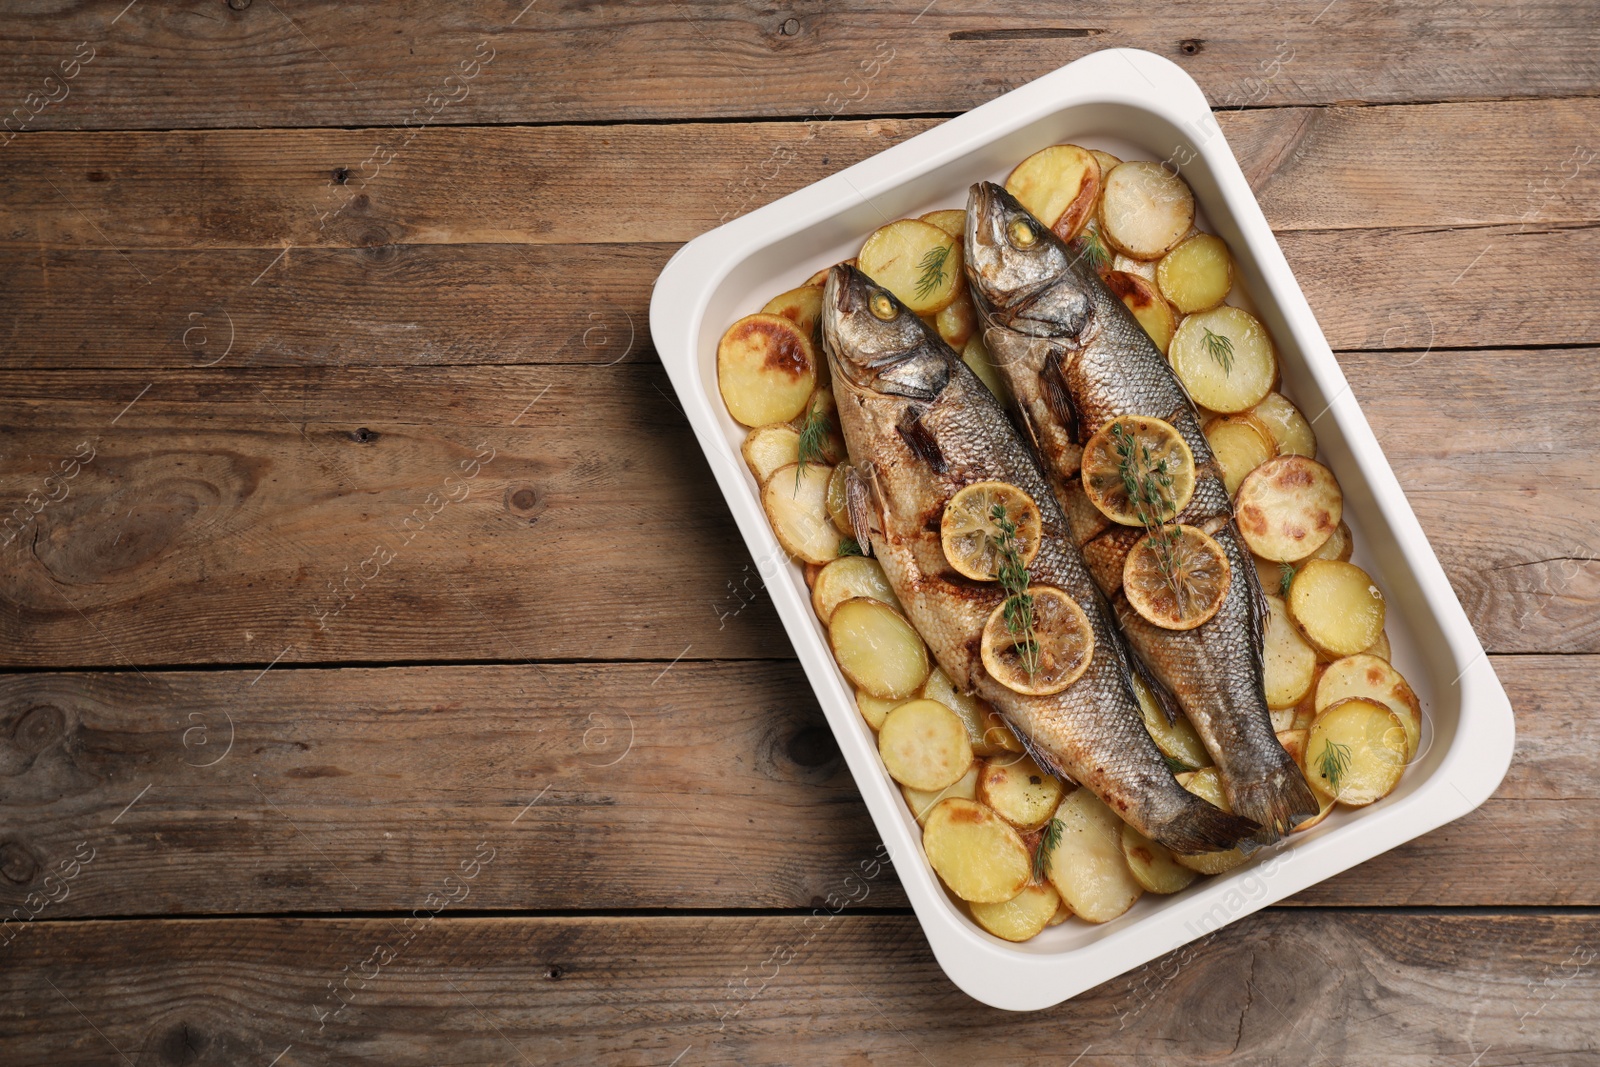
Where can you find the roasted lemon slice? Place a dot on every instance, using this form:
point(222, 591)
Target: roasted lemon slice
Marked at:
point(1132, 459)
point(1176, 577)
point(971, 534)
point(1060, 649)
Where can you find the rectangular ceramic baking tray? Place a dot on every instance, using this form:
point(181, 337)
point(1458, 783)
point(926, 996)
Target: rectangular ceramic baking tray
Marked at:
point(1136, 105)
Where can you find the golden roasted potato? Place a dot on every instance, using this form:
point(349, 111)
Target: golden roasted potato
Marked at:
point(1291, 664)
point(1294, 743)
point(1087, 866)
point(1288, 507)
point(916, 261)
point(1176, 739)
point(766, 369)
point(952, 221)
point(875, 709)
point(1059, 186)
point(1380, 647)
point(766, 448)
point(976, 852)
point(976, 356)
point(1145, 210)
point(847, 577)
point(837, 504)
point(1287, 425)
point(795, 500)
point(803, 307)
point(1019, 790)
point(1021, 917)
point(1337, 606)
point(957, 322)
point(924, 745)
point(877, 649)
point(1152, 865)
point(1355, 751)
point(1141, 297)
point(923, 801)
point(1241, 444)
point(1339, 546)
point(1371, 678)
point(986, 730)
point(1206, 784)
point(1225, 358)
point(1197, 274)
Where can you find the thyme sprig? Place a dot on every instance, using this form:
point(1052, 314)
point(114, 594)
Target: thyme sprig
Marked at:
point(932, 267)
point(1221, 348)
point(1148, 483)
point(1047, 845)
point(1335, 762)
point(1018, 605)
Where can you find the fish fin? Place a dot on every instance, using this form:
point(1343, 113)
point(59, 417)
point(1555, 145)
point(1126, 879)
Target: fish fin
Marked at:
point(915, 433)
point(1277, 801)
point(1053, 384)
point(1045, 761)
point(1200, 826)
point(859, 503)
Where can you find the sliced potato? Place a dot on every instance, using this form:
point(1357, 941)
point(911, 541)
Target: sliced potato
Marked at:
point(1021, 917)
point(1197, 274)
point(1144, 210)
point(957, 322)
point(1225, 358)
point(877, 649)
point(976, 356)
point(766, 369)
point(1274, 576)
point(803, 307)
point(1059, 185)
point(916, 261)
point(1380, 647)
point(1141, 297)
point(847, 577)
point(1282, 719)
point(976, 852)
point(1152, 864)
point(1291, 664)
point(1241, 445)
point(1288, 507)
point(1337, 607)
point(1063, 912)
point(1206, 784)
point(1294, 743)
point(1306, 710)
point(796, 502)
point(1371, 678)
point(1087, 866)
point(1019, 790)
point(1137, 267)
point(985, 728)
point(1339, 546)
point(923, 801)
point(952, 221)
point(1106, 161)
point(875, 709)
point(1287, 425)
point(1176, 740)
point(1355, 752)
point(766, 448)
point(924, 745)
point(836, 501)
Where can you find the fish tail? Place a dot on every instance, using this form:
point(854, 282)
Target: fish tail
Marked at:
point(1199, 826)
point(1277, 798)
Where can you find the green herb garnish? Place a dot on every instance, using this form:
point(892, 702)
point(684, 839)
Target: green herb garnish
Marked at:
point(1285, 578)
point(849, 547)
point(932, 267)
point(1148, 484)
point(813, 434)
point(1335, 761)
point(1221, 349)
point(1047, 845)
point(1176, 765)
point(1018, 605)
point(1091, 250)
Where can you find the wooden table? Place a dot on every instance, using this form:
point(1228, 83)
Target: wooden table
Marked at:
point(385, 680)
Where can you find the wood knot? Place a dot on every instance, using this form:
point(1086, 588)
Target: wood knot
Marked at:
point(37, 727)
point(97, 176)
point(812, 747)
point(525, 502)
point(182, 1042)
point(341, 175)
point(554, 972)
point(18, 864)
point(1191, 47)
point(238, 5)
point(363, 436)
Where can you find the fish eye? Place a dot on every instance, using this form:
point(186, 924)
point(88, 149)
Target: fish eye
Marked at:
point(881, 306)
point(1022, 233)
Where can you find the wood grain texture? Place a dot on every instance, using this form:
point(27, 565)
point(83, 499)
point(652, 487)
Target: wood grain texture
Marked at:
point(1312, 168)
point(389, 64)
point(1279, 987)
point(706, 785)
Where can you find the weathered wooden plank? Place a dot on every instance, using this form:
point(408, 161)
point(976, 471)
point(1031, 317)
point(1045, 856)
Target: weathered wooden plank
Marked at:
point(403, 305)
point(1280, 987)
point(1314, 168)
point(706, 785)
point(164, 67)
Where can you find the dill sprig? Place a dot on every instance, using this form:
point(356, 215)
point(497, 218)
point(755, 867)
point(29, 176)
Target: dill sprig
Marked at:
point(1091, 250)
point(813, 435)
point(1176, 765)
point(1047, 845)
point(932, 267)
point(1018, 605)
point(848, 546)
point(1285, 579)
point(1335, 761)
point(1148, 483)
point(1221, 349)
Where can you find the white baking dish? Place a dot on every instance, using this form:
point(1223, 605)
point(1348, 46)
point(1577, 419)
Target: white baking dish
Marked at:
point(1140, 106)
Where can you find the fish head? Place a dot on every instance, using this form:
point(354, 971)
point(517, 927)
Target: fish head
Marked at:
point(875, 343)
point(1024, 277)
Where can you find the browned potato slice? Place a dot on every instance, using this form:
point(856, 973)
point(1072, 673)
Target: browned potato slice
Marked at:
point(1241, 445)
point(1059, 185)
point(766, 448)
point(1225, 358)
point(1106, 161)
point(1144, 210)
point(1152, 865)
point(847, 577)
point(1141, 297)
point(877, 649)
point(1356, 752)
point(1138, 268)
point(924, 745)
point(1380, 647)
point(952, 221)
point(1339, 546)
point(1087, 866)
point(1306, 710)
point(958, 322)
point(1019, 791)
point(1177, 739)
point(1288, 427)
point(803, 307)
point(985, 728)
point(923, 801)
point(1197, 274)
point(916, 261)
point(1021, 917)
point(875, 709)
point(837, 503)
point(766, 369)
point(1288, 507)
point(1273, 575)
point(976, 356)
point(1337, 607)
point(1207, 785)
point(1294, 743)
point(976, 852)
point(796, 503)
point(1371, 678)
point(1063, 913)
point(1291, 664)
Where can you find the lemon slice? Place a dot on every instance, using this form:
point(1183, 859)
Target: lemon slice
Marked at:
point(1150, 452)
point(969, 532)
point(1176, 577)
point(1063, 637)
